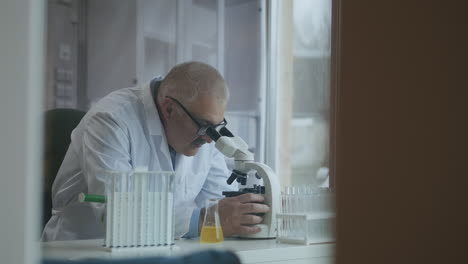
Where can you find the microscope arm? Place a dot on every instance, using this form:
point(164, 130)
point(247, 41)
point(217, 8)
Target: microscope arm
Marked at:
point(272, 198)
point(234, 147)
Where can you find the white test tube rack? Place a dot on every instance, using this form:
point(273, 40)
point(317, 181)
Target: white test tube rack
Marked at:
point(140, 210)
point(307, 219)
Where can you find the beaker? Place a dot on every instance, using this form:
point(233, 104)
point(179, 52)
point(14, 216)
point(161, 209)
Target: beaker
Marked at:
point(212, 231)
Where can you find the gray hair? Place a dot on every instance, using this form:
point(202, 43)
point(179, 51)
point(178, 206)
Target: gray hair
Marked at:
point(190, 80)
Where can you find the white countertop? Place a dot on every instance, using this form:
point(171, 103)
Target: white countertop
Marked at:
point(249, 251)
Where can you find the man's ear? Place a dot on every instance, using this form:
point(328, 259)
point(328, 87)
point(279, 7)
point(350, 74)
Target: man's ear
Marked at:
point(167, 108)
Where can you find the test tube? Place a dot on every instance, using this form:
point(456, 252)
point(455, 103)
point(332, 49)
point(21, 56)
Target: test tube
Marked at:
point(109, 213)
point(119, 215)
point(127, 205)
point(162, 209)
point(170, 208)
point(150, 237)
point(142, 208)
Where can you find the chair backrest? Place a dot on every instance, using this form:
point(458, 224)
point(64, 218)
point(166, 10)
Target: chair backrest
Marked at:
point(59, 123)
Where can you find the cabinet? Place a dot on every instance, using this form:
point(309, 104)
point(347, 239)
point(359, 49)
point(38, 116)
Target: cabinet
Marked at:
point(130, 42)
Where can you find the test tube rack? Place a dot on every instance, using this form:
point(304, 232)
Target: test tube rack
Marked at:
point(305, 228)
point(307, 218)
point(140, 210)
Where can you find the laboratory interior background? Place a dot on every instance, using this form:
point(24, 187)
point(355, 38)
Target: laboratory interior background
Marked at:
point(388, 119)
point(277, 66)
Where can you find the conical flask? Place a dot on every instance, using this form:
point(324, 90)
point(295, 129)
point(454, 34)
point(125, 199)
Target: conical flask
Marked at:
point(211, 230)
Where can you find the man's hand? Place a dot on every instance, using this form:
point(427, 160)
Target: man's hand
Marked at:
point(236, 214)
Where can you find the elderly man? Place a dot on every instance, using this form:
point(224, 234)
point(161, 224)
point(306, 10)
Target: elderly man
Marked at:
point(158, 126)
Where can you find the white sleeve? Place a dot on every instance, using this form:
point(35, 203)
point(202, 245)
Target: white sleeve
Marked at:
point(105, 146)
point(216, 181)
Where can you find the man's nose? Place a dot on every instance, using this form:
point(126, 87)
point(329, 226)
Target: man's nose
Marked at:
point(206, 138)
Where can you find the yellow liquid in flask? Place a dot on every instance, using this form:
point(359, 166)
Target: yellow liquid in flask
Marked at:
point(211, 234)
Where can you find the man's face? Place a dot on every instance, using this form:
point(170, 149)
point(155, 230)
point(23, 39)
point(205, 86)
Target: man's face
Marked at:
point(181, 130)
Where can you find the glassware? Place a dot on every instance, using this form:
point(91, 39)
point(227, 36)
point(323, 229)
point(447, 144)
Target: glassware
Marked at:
point(139, 208)
point(211, 230)
point(308, 215)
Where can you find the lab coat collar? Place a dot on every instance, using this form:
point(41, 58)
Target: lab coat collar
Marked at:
point(155, 127)
point(152, 116)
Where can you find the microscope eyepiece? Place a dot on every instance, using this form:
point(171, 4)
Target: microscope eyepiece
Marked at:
point(213, 134)
point(225, 132)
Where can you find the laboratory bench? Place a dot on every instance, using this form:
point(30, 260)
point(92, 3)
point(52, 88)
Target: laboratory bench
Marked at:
point(249, 251)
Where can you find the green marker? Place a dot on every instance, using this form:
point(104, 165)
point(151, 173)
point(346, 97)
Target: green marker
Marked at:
point(91, 198)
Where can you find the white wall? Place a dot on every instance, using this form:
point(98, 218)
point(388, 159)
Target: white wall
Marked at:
point(21, 75)
point(111, 47)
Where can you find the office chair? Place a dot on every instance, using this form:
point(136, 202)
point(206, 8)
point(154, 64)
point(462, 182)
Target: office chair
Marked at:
point(59, 123)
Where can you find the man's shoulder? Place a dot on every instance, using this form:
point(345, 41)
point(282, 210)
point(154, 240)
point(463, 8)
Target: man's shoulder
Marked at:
point(121, 97)
point(124, 102)
point(121, 108)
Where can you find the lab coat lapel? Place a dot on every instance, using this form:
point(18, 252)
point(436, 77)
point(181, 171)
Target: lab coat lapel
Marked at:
point(183, 170)
point(182, 163)
point(183, 208)
point(156, 129)
point(181, 167)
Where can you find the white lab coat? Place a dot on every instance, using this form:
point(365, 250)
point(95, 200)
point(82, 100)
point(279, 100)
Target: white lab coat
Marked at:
point(123, 132)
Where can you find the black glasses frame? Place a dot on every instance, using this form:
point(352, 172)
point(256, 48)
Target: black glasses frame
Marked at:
point(201, 128)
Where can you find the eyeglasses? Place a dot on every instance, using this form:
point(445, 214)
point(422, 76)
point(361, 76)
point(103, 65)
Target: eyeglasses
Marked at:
point(201, 128)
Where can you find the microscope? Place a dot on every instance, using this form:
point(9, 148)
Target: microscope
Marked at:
point(234, 147)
